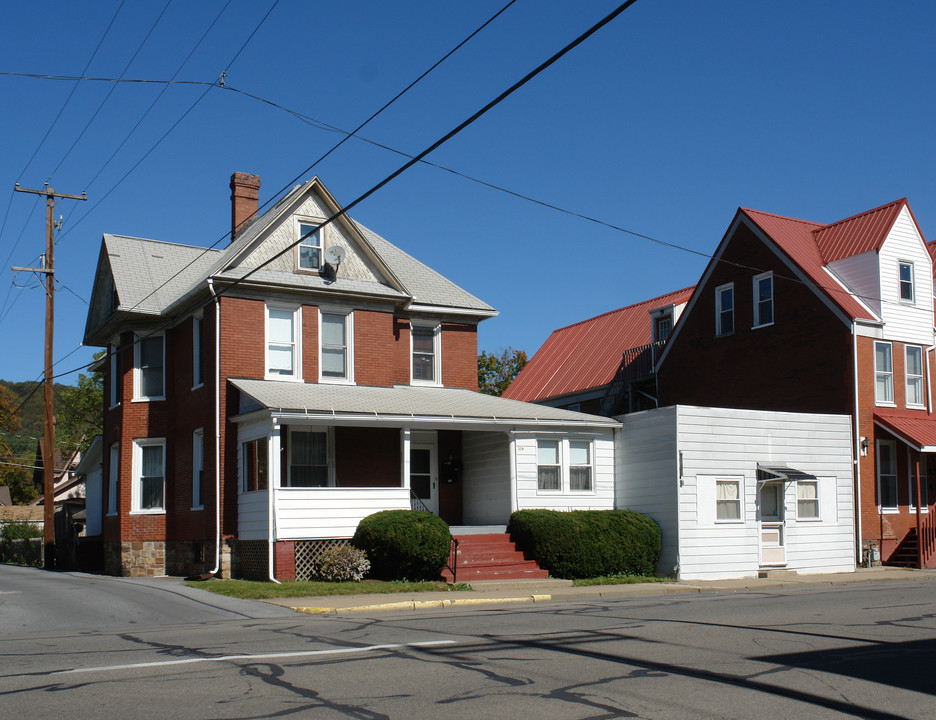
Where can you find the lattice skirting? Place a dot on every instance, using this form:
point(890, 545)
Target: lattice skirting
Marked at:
point(253, 555)
point(307, 552)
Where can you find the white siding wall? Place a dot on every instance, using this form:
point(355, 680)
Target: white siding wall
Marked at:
point(320, 513)
point(485, 478)
point(719, 443)
point(252, 515)
point(861, 275)
point(529, 497)
point(646, 471)
point(904, 321)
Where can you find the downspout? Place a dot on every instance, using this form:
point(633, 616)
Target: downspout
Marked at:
point(217, 428)
point(857, 441)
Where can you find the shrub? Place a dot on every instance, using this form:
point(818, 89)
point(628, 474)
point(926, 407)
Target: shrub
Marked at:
point(20, 530)
point(588, 543)
point(341, 563)
point(404, 544)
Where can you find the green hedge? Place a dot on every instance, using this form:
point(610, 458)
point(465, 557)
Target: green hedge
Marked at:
point(588, 543)
point(404, 544)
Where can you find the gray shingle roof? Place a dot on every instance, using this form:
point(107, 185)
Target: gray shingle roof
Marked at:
point(403, 401)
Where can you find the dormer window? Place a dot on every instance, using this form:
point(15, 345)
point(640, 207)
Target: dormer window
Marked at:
point(310, 246)
point(905, 279)
point(662, 327)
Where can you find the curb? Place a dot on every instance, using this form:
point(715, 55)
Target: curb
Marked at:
point(423, 604)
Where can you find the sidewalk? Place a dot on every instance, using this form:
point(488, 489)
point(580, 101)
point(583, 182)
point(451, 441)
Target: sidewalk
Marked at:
point(532, 592)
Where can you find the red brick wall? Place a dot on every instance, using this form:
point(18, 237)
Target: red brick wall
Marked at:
point(450, 476)
point(284, 560)
point(460, 356)
point(374, 348)
point(800, 363)
point(367, 457)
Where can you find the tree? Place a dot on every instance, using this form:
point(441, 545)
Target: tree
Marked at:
point(80, 414)
point(13, 471)
point(496, 372)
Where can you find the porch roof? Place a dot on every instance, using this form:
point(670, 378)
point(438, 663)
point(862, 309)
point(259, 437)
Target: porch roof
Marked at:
point(916, 429)
point(402, 404)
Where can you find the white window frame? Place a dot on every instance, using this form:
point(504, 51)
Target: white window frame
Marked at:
point(198, 373)
point(892, 477)
point(887, 376)
point(295, 345)
point(319, 234)
point(590, 465)
point(138, 341)
point(436, 328)
point(564, 460)
point(540, 490)
point(198, 469)
point(137, 489)
point(115, 384)
point(719, 325)
point(757, 302)
point(264, 441)
point(739, 484)
point(920, 386)
point(348, 378)
point(113, 481)
point(286, 480)
point(911, 484)
point(800, 515)
point(901, 283)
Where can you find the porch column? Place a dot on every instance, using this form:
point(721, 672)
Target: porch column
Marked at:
point(405, 438)
point(512, 445)
point(919, 501)
point(273, 480)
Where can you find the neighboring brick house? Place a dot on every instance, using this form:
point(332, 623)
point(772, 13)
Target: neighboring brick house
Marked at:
point(263, 398)
point(800, 316)
point(603, 365)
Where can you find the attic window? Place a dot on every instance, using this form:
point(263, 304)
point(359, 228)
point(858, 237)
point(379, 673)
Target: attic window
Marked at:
point(662, 327)
point(310, 246)
point(905, 272)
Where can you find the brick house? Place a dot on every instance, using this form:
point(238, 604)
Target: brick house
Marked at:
point(801, 316)
point(261, 399)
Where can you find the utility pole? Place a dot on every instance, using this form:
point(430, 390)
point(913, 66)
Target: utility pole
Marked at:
point(48, 457)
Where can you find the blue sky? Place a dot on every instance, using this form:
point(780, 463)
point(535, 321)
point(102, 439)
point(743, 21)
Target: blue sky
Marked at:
point(663, 123)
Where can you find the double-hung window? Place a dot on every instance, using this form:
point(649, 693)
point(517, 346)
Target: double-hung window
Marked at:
point(115, 380)
point(883, 373)
point(580, 466)
point(763, 300)
point(308, 458)
point(197, 374)
point(336, 348)
point(310, 246)
point(662, 327)
point(724, 309)
point(282, 349)
point(112, 477)
point(426, 368)
point(887, 474)
point(254, 464)
point(807, 500)
point(913, 370)
point(198, 469)
point(548, 469)
point(149, 475)
point(905, 281)
point(728, 501)
point(149, 361)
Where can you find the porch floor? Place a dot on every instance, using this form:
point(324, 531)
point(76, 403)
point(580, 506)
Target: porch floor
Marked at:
point(477, 529)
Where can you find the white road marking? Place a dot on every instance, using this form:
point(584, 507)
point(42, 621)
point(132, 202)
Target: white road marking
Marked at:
point(265, 656)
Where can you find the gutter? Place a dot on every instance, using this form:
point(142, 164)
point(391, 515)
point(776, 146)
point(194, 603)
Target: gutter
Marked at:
point(217, 428)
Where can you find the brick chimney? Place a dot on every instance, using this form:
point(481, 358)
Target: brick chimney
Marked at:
point(245, 197)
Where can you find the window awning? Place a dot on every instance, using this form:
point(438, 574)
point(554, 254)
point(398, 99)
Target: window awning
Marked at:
point(916, 429)
point(770, 472)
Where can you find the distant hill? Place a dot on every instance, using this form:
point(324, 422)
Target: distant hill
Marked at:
point(31, 413)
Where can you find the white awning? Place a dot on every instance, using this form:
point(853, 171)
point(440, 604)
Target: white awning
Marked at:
point(771, 472)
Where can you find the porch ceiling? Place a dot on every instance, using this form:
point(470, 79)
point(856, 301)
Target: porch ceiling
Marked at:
point(402, 403)
point(916, 429)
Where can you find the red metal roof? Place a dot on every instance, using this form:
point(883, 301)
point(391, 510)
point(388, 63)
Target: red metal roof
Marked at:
point(858, 234)
point(587, 354)
point(797, 238)
point(917, 429)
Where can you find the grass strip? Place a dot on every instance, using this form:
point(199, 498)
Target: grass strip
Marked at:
point(262, 590)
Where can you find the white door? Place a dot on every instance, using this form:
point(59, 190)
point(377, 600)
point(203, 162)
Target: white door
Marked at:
point(424, 475)
point(771, 524)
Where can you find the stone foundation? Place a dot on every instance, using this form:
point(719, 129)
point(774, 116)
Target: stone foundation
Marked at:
point(153, 558)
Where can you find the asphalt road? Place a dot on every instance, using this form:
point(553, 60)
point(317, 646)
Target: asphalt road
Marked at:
point(844, 651)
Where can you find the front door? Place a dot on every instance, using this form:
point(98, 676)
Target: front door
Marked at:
point(771, 524)
point(424, 475)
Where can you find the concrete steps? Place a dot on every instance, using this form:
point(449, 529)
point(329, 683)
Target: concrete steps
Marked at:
point(492, 556)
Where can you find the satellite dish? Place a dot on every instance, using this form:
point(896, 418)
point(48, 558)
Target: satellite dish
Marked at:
point(334, 254)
